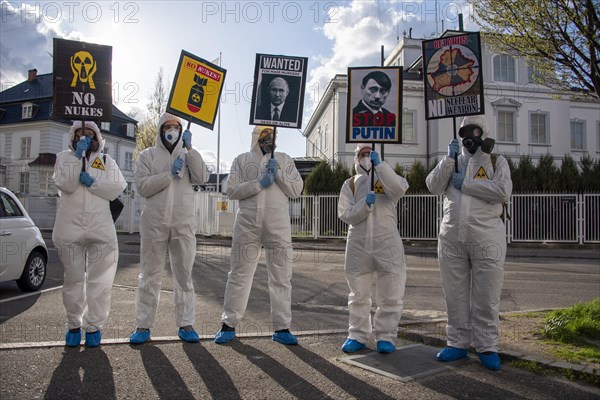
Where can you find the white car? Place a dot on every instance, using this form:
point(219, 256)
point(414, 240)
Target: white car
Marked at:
point(23, 252)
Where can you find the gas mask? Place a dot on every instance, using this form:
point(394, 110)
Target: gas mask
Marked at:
point(171, 136)
point(471, 135)
point(266, 142)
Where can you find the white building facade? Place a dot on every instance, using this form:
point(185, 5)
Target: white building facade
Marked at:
point(525, 118)
point(30, 138)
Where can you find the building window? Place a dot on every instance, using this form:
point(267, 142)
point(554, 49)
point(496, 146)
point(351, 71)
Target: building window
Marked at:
point(326, 138)
point(105, 126)
point(24, 182)
point(506, 126)
point(130, 130)
point(128, 161)
point(538, 128)
point(577, 135)
point(408, 127)
point(504, 68)
point(27, 111)
point(25, 147)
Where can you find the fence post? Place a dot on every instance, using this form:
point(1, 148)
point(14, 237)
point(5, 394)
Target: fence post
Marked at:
point(316, 213)
point(508, 221)
point(580, 225)
point(131, 201)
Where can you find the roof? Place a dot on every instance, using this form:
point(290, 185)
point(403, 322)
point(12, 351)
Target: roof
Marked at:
point(44, 159)
point(36, 89)
point(42, 88)
point(39, 92)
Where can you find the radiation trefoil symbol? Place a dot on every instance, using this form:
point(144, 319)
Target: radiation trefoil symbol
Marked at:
point(84, 67)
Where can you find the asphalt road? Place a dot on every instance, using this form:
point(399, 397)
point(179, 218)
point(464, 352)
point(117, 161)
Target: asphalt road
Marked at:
point(35, 364)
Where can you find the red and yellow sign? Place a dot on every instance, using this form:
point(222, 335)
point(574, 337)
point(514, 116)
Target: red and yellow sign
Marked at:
point(196, 90)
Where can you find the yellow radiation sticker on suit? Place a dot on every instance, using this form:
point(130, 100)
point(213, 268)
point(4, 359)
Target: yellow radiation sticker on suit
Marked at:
point(196, 90)
point(481, 174)
point(378, 188)
point(98, 164)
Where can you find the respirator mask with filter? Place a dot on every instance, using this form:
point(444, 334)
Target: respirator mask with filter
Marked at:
point(471, 139)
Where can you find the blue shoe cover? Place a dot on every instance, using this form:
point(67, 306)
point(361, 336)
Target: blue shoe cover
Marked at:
point(223, 337)
point(351, 346)
point(188, 336)
point(73, 339)
point(285, 338)
point(452, 354)
point(139, 336)
point(92, 339)
point(490, 361)
point(385, 347)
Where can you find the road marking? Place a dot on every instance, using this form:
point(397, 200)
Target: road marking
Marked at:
point(22, 296)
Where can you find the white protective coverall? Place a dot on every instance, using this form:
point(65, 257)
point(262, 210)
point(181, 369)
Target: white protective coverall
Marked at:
point(374, 246)
point(472, 243)
point(84, 233)
point(262, 219)
point(167, 223)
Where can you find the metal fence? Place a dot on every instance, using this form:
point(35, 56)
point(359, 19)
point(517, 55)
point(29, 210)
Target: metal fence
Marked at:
point(559, 218)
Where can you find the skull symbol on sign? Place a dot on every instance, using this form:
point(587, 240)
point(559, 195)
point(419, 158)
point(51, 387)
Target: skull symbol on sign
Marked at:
point(84, 67)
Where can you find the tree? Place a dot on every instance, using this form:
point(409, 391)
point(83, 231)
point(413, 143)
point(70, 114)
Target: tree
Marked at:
point(416, 178)
point(524, 179)
point(547, 174)
point(324, 180)
point(560, 39)
point(148, 129)
point(570, 181)
point(590, 174)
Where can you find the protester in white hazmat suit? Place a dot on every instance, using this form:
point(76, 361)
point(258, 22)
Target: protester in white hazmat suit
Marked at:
point(472, 241)
point(263, 186)
point(164, 175)
point(373, 250)
point(84, 233)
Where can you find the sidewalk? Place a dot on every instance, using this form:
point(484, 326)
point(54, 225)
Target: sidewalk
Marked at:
point(515, 251)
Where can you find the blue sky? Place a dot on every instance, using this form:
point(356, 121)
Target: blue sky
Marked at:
point(149, 35)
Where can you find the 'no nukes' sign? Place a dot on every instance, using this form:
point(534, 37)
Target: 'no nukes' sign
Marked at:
point(82, 74)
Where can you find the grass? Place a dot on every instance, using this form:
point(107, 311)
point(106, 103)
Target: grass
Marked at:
point(578, 329)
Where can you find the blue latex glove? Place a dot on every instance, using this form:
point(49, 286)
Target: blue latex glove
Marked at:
point(266, 180)
point(82, 146)
point(176, 167)
point(453, 148)
point(370, 198)
point(375, 158)
point(187, 138)
point(457, 180)
point(86, 179)
point(272, 166)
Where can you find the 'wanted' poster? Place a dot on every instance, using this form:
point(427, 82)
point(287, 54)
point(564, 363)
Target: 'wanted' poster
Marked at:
point(278, 91)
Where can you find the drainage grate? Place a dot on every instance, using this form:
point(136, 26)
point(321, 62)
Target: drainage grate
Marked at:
point(405, 364)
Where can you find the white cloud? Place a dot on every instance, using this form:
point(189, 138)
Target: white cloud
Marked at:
point(27, 41)
point(362, 27)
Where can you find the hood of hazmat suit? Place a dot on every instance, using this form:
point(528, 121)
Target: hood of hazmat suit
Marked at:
point(84, 211)
point(373, 240)
point(472, 213)
point(168, 199)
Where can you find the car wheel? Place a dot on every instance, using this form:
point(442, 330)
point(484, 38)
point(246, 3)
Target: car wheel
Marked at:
point(34, 273)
